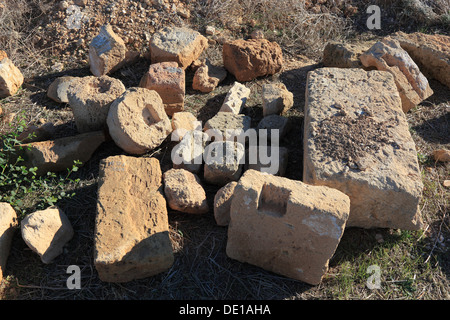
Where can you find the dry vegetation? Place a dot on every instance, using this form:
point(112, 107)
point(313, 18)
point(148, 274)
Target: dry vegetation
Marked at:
point(414, 265)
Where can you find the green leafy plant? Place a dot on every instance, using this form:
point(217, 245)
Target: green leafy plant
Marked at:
point(20, 186)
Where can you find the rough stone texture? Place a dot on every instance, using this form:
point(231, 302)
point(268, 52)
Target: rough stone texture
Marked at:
point(249, 59)
point(388, 55)
point(222, 203)
point(132, 229)
point(168, 80)
point(225, 124)
point(137, 121)
point(208, 76)
point(107, 51)
point(224, 162)
point(46, 232)
point(286, 226)
point(60, 154)
point(442, 155)
point(182, 45)
point(184, 192)
point(3, 55)
point(276, 98)
point(274, 122)
point(8, 224)
point(57, 90)
point(10, 78)
point(276, 166)
point(90, 98)
point(235, 99)
point(188, 154)
point(430, 52)
point(357, 140)
point(183, 122)
point(344, 55)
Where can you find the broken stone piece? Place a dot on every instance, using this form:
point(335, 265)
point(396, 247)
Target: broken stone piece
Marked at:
point(388, 55)
point(235, 99)
point(357, 140)
point(182, 45)
point(131, 229)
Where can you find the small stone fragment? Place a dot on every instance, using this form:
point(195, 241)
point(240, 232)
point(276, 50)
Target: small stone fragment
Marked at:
point(46, 232)
point(276, 99)
point(235, 99)
point(222, 203)
point(184, 192)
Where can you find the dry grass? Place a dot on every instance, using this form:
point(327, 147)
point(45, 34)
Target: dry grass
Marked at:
point(286, 21)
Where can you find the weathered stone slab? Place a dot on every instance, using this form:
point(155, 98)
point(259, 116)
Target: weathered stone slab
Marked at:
point(184, 192)
point(11, 78)
point(188, 153)
point(277, 162)
point(132, 230)
point(430, 52)
point(57, 90)
point(357, 140)
point(224, 161)
point(208, 76)
point(60, 154)
point(227, 124)
point(183, 122)
point(8, 224)
point(249, 59)
point(388, 55)
point(286, 226)
point(107, 51)
point(235, 99)
point(274, 122)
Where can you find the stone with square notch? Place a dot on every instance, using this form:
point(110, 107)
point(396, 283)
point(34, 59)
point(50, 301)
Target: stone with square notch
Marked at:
point(286, 226)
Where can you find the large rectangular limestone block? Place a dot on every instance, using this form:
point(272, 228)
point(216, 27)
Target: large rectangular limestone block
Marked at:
point(357, 140)
point(286, 226)
point(132, 230)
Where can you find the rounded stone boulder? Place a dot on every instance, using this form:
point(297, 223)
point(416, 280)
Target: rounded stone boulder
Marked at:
point(90, 98)
point(137, 121)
